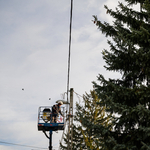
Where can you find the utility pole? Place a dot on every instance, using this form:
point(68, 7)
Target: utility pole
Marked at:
point(70, 116)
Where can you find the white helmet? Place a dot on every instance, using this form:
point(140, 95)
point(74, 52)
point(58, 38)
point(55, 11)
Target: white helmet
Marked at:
point(60, 102)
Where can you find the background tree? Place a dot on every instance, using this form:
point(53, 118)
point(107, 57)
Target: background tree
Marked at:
point(78, 141)
point(129, 96)
point(92, 118)
point(89, 119)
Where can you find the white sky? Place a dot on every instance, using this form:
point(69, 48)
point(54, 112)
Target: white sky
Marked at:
point(34, 41)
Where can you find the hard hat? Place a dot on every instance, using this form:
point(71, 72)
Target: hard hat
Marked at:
point(60, 102)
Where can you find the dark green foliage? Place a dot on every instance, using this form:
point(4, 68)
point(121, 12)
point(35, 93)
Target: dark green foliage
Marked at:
point(128, 97)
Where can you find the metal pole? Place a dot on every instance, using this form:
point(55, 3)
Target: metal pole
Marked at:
point(71, 112)
point(69, 48)
point(70, 130)
point(50, 140)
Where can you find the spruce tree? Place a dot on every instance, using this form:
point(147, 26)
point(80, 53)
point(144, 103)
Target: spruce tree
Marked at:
point(77, 143)
point(88, 117)
point(91, 116)
point(128, 97)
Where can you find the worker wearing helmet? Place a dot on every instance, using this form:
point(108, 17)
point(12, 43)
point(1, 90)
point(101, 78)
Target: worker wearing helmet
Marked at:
point(55, 111)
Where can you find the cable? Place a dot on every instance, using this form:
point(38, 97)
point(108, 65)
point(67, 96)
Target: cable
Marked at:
point(22, 145)
point(78, 94)
point(46, 135)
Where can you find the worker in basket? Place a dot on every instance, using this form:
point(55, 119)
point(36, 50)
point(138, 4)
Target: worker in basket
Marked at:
point(55, 111)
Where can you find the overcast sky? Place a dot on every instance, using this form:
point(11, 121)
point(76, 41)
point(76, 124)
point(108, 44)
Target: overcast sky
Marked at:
point(34, 45)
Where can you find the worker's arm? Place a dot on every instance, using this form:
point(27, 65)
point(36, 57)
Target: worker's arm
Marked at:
point(60, 112)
